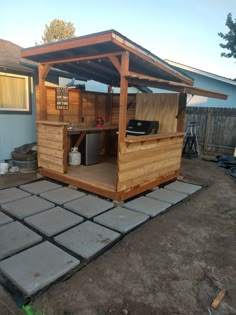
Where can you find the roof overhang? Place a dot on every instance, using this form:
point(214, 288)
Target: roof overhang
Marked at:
point(138, 79)
point(98, 57)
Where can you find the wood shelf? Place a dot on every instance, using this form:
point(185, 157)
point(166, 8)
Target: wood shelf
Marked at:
point(133, 139)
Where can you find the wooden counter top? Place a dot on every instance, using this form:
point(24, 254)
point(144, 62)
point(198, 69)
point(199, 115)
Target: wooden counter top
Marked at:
point(78, 129)
point(132, 139)
point(52, 123)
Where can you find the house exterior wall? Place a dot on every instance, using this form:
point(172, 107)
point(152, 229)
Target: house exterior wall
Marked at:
point(214, 85)
point(17, 129)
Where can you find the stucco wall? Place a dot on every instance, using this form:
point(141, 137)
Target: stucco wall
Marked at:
point(16, 130)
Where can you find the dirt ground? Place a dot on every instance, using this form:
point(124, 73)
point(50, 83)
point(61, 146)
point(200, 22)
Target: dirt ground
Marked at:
point(174, 264)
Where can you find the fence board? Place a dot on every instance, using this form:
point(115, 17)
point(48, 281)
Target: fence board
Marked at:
point(216, 128)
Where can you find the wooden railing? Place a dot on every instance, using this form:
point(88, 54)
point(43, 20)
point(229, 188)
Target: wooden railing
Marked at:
point(143, 160)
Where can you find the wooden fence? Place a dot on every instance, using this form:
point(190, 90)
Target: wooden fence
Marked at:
point(216, 128)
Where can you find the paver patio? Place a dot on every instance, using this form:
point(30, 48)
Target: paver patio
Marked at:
point(53, 221)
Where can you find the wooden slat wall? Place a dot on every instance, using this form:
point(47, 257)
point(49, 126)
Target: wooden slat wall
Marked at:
point(216, 128)
point(161, 107)
point(52, 147)
point(84, 104)
point(142, 162)
point(131, 105)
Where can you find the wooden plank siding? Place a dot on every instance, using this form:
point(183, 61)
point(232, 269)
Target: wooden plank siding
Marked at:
point(142, 162)
point(52, 147)
point(159, 107)
point(216, 128)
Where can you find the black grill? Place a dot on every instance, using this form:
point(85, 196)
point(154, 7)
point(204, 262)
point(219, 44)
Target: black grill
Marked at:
point(142, 127)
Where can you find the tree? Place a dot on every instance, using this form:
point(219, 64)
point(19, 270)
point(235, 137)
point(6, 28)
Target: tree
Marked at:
point(229, 37)
point(58, 30)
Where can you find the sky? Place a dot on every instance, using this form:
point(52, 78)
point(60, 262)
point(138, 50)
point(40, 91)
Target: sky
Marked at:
point(184, 31)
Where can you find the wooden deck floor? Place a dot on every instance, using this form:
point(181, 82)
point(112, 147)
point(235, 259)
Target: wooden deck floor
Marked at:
point(103, 174)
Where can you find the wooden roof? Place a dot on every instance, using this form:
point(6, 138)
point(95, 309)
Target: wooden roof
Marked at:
point(98, 57)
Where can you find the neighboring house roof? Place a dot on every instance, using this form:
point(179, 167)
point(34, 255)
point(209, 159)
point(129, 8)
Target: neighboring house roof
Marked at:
point(11, 60)
point(180, 66)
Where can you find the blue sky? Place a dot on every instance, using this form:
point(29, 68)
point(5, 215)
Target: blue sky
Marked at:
point(184, 31)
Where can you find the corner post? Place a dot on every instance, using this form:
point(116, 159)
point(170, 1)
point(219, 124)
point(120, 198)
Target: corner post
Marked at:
point(42, 106)
point(123, 96)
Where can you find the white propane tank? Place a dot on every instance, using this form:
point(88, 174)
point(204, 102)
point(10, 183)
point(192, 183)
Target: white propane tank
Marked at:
point(74, 157)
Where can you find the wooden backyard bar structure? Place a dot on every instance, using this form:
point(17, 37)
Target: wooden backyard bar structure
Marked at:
point(128, 165)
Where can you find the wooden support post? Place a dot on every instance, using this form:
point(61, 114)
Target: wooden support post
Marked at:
point(123, 96)
point(80, 113)
point(42, 105)
point(109, 105)
point(181, 112)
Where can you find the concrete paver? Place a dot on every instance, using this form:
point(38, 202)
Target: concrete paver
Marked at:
point(4, 219)
point(53, 221)
point(89, 206)
point(167, 195)
point(39, 187)
point(37, 267)
point(62, 195)
point(14, 237)
point(147, 206)
point(182, 187)
point(87, 239)
point(11, 194)
point(121, 219)
point(26, 207)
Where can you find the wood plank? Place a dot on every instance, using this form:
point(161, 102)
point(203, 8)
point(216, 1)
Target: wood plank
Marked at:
point(162, 107)
point(128, 193)
point(75, 43)
point(42, 157)
point(50, 152)
point(130, 183)
point(116, 63)
point(84, 58)
point(123, 97)
point(141, 172)
point(154, 153)
point(52, 167)
point(50, 144)
point(218, 299)
point(56, 138)
point(42, 104)
point(158, 143)
point(52, 123)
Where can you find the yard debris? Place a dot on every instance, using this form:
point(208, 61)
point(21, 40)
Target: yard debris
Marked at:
point(226, 161)
point(216, 302)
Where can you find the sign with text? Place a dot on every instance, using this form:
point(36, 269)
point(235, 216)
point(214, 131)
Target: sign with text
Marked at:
point(62, 100)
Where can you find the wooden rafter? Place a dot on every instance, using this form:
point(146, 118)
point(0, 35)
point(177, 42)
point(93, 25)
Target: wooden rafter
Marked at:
point(116, 62)
point(45, 70)
point(69, 44)
point(135, 75)
point(97, 56)
point(178, 88)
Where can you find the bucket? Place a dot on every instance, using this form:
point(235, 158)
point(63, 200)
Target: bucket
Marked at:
point(4, 168)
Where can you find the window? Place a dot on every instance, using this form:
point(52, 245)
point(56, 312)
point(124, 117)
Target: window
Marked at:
point(14, 92)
